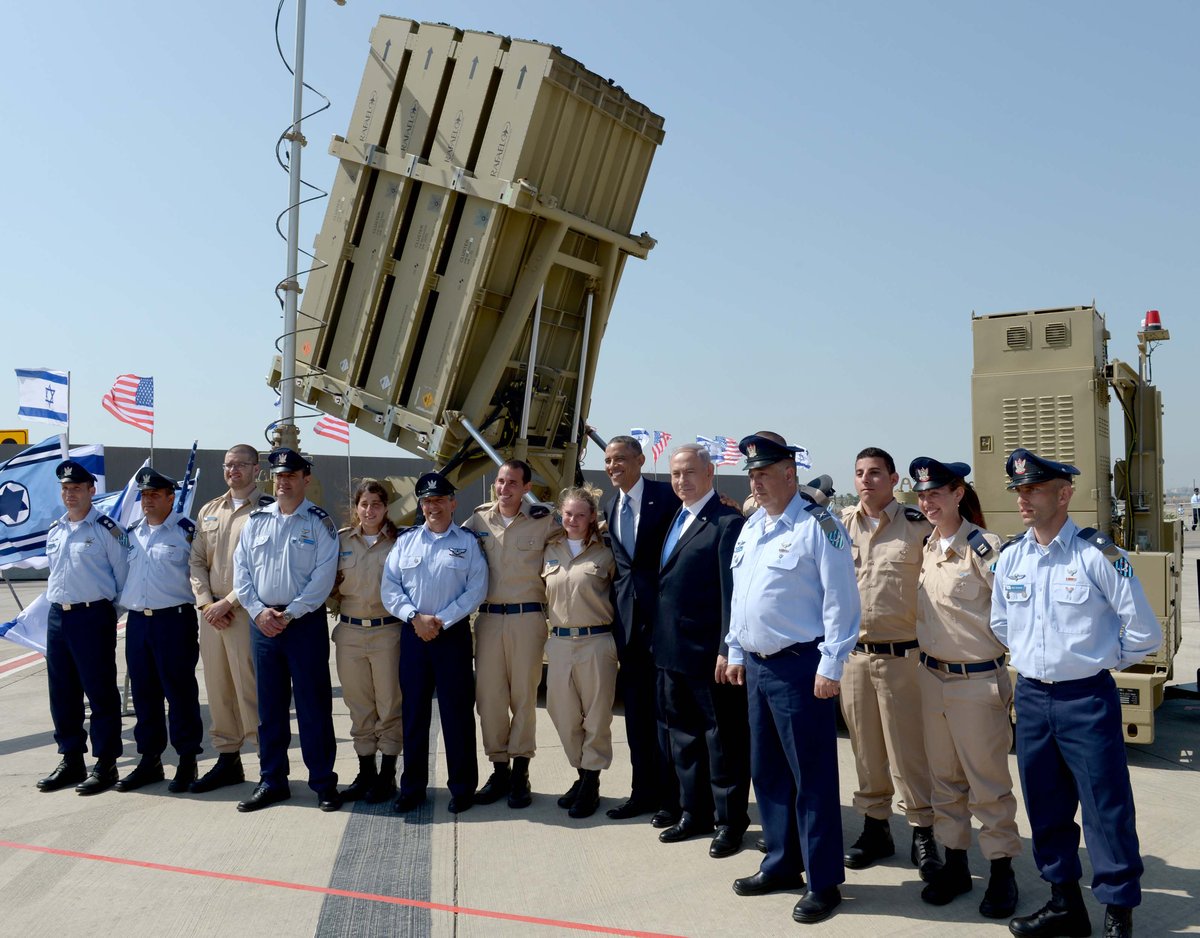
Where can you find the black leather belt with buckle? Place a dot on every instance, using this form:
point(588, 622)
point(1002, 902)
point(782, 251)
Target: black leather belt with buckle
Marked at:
point(897, 649)
point(954, 667)
point(369, 623)
point(581, 631)
point(511, 609)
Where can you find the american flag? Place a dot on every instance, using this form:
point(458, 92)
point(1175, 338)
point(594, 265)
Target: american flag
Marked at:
point(333, 428)
point(661, 439)
point(131, 401)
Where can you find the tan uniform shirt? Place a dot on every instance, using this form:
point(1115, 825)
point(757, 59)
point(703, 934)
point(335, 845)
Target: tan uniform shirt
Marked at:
point(579, 589)
point(360, 573)
point(210, 565)
point(887, 561)
point(956, 599)
point(514, 553)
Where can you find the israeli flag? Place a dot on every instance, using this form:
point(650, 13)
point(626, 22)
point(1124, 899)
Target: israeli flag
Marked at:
point(42, 395)
point(803, 459)
point(29, 627)
point(31, 498)
point(643, 436)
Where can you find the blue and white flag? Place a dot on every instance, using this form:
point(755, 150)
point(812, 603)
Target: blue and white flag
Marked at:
point(803, 460)
point(29, 627)
point(31, 498)
point(43, 395)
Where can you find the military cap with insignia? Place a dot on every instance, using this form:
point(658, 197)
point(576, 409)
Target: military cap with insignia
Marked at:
point(1027, 468)
point(929, 473)
point(283, 459)
point(434, 484)
point(70, 471)
point(763, 451)
point(150, 478)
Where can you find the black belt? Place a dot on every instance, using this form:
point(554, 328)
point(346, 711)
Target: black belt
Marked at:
point(898, 649)
point(511, 609)
point(790, 650)
point(581, 631)
point(67, 607)
point(951, 667)
point(368, 623)
point(162, 612)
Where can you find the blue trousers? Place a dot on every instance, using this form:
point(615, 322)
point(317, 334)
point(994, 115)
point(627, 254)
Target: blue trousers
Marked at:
point(444, 664)
point(161, 651)
point(296, 660)
point(794, 764)
point(1071, 751)
point(81, 658)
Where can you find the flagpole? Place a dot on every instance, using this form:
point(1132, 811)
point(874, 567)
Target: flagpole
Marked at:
point(349, 473)
point(66, 455)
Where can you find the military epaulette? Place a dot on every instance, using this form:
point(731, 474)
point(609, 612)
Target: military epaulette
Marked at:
point(259, 511)
point(1015, 539)
point(978, 543)
point(133, 527)
point(189, 528)
point(114, 529)
point(323, 516)
point(346, 530)
point(1111, 551)
point(538, 511)
point(914, 514)
point(480, 509)
point(404, 532)
point(265, 500)
point(830, 527)
point(478, 535)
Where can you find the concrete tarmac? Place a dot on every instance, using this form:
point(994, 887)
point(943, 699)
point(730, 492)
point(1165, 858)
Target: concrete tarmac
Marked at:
point(155, 864)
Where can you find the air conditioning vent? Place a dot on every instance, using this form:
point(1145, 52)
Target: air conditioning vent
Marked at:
point(1058, 335)
point(1018, 337)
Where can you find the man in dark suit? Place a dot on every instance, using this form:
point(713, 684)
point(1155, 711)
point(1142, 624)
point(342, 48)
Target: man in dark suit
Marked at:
point(638, 516)
point(705, 718)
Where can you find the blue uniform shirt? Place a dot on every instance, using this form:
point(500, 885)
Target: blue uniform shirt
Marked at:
point(443, 575)
point(86, 564)
point(1066, 612)
point(158, 564)
point(793, 584)
point(285, 560)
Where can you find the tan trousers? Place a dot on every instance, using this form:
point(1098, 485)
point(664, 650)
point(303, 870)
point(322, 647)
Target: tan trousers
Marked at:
point(229, 683)
point(581, 681)
point(881, 698)
point(967, 738)
point(368, 667)
point(508, 669)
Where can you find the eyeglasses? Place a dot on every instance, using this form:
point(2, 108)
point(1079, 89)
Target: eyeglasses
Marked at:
point(230, 466)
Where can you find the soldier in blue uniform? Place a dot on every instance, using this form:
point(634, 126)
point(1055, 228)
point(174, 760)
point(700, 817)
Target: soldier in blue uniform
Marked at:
point(161, 636)
point(794, 619)
point(88, 565)
point(435, 577)
point(1067, 605)
point(284, 567)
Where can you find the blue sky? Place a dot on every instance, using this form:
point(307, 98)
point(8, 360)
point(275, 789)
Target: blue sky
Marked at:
point(841, 185)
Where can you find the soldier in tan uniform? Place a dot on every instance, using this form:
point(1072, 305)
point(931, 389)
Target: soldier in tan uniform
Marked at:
point(225, 626)
point(581, 678)
point(367, 644)
point(510, 632)
point(880, 694)
point(965, 690)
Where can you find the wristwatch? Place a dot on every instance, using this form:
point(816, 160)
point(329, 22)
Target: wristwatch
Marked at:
point(287, 618)
point(412, 615)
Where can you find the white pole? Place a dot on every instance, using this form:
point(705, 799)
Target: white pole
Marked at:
point(287, 371)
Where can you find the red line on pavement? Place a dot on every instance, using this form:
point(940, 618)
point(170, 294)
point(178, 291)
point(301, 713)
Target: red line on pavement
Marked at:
point(347, 893)
point(12, 664)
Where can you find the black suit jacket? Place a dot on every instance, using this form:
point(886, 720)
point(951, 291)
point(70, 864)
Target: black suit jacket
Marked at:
point(635, 586)
point(695, 587)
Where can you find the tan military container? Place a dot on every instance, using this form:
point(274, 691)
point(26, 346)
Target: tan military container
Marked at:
point(477, 172)
point(1042, 381)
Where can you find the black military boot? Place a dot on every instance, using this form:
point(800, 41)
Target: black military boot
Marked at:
point(184, 775)
point(103, 776)
point(1118, 922)
point(924, 853)
point(520, 795)
point(875, 843)
point(71, 771)
point(363, 781)
point(227, 771)
point(953, 879)
point(1000, 900)
point(146, 772)
point(497, 785)
point(565, 801)
point(1064, 915)
point(385, 783)
point(588, 799)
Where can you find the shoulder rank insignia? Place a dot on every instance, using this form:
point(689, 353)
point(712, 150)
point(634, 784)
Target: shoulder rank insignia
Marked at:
point(323, 516)
point(1110, 550)
point(265, 500)
point(1016, 538)
point(114, 529)
point(830, 527)
point(538, 511)
point(133, 527)
point(189, 528)
point(914, 514)
point(978, 543)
